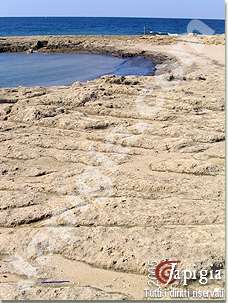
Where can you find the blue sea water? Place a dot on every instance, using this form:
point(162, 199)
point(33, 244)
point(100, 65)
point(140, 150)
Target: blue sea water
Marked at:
point(38, 69)
point(99, 26)
point(59, 69)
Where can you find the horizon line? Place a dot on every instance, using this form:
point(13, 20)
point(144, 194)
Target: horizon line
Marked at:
point(143, 17)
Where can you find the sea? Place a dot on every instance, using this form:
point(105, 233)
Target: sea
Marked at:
point(29, 26)
point(21, 69)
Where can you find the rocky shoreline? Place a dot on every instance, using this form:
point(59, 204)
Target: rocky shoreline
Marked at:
point(102, 177)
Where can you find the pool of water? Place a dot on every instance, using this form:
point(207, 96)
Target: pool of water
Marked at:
point(38, 69)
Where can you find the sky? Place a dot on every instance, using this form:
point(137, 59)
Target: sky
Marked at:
point(204, 9)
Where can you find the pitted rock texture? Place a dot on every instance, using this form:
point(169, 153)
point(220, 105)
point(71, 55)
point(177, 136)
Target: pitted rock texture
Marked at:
point(113, 172)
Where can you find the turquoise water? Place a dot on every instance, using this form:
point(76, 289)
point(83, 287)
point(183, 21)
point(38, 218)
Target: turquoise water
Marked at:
point(21, 69)
point(101, 26)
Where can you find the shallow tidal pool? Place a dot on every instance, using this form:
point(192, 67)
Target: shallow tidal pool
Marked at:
point(38, 69)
